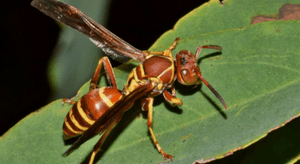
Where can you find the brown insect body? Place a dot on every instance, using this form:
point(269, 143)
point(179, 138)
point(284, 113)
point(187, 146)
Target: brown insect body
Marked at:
point(155, 75)
point(100, 109)
point(159, 68)
point(88, 109)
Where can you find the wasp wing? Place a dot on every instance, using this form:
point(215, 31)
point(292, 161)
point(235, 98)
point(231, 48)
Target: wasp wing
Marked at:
point(112, 114)
point(111, 44)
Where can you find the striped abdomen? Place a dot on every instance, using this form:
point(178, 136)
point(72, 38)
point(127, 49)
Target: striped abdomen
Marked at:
point(88, 109)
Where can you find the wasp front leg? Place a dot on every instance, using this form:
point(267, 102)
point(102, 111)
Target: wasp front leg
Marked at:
point(147, 105)
point(171, 97)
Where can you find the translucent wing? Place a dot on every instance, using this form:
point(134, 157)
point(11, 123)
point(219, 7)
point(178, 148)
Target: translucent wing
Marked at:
point(113, 113)
point(111, 44)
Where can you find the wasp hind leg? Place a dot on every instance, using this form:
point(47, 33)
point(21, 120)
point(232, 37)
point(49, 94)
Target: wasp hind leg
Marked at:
point(93, 85)
point(109, 74)
point(102, 139)
point(69, 101)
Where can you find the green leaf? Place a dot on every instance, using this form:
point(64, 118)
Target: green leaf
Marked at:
point(280, 146)
point(257, 73)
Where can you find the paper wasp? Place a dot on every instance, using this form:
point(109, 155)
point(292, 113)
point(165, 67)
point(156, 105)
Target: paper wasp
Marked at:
point(101, 108)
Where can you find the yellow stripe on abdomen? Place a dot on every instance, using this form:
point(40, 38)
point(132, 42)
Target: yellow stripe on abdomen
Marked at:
point(70, 128)
point(75, 122)
point(83, 114)
point(104, 98)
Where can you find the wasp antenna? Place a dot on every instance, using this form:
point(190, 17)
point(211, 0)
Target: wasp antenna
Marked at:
point(214, 92)
point(208, 47)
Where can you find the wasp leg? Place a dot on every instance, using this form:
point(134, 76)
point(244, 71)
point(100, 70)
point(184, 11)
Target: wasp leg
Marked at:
point(93, 85)
point(102, 139)
point(70, 101)
point(109, 74)
point(147, 105)
point(167, 52)
point(171, 99)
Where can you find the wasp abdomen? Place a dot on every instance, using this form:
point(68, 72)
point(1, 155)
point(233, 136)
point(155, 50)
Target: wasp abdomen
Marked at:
point(88, 109)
